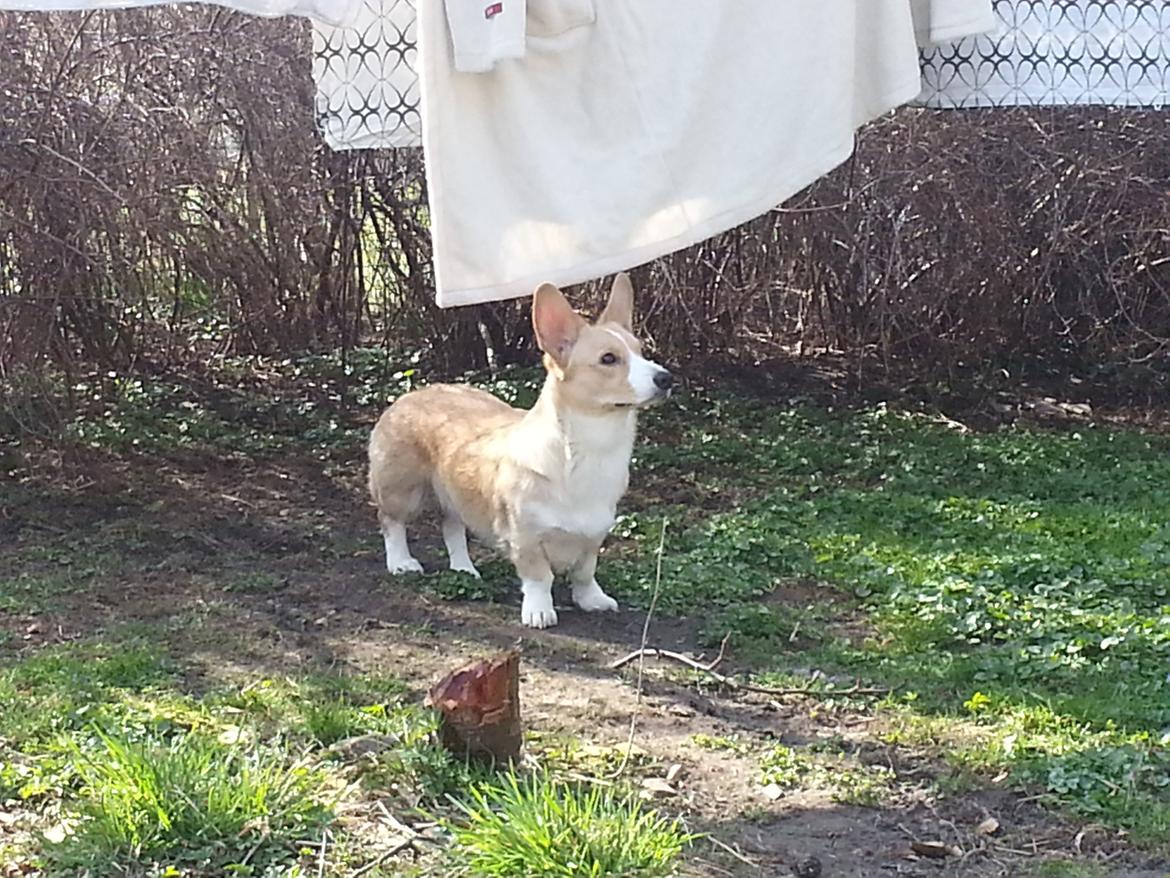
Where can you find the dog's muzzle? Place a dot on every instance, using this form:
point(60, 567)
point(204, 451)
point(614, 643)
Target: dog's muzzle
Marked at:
point(663, 384)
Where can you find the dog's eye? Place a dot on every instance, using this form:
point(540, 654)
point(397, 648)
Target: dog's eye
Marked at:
point(608, 359)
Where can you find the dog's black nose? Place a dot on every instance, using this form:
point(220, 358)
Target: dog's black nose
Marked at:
point(664, 380)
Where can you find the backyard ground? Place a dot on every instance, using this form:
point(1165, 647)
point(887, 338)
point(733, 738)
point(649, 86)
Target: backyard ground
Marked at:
point(977, 611)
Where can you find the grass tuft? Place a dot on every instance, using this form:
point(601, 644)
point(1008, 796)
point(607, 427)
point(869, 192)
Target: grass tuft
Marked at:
point(186, 800)
point(539, 828)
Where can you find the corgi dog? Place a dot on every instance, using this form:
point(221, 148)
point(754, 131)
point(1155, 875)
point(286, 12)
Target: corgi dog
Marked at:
point(541, 485)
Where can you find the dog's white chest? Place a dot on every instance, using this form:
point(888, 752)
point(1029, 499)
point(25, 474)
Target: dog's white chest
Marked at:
point(578, 516)
point(569, 534)
point(587, 504)
point(590, 522)
point(581, 472)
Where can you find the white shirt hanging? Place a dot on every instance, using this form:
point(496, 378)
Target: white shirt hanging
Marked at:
point(485, 32)
point(632, 129)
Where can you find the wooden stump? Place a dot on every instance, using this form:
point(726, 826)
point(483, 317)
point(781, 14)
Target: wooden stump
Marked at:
point(479, 705)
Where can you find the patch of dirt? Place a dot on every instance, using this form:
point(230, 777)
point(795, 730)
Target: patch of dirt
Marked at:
point(275, 567)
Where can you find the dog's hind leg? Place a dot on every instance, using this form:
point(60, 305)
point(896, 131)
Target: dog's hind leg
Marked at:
point(398, 495)
point(398, 482)
point(454, 532)
point(455, 538)
point(398, 557)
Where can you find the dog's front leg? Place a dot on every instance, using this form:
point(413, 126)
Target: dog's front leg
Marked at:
point(536, 582)
point(587, 594)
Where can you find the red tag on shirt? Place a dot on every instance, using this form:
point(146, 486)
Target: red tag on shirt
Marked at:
point(493, 10)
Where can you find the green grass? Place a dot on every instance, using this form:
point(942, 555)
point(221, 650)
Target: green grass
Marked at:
point(1067, 869)
point(1016, 579)
point(1012, 587)
point(540, 828)
point(790, 768)
point(46, 574)
point(726, 743)
point(188, 800)
point(244, 406)
point(145, 774)
point(254, 582)
point(63, 690)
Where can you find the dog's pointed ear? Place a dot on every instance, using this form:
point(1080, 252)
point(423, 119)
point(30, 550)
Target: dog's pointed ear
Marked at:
point(620, 308)
point(555, 322)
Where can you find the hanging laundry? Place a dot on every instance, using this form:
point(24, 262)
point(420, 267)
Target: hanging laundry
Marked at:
point(1110, 52)
point(630, 130)
point(335, 12)
point(367, 78)
point(941, 21)
point(485, 32)
point(367, 73)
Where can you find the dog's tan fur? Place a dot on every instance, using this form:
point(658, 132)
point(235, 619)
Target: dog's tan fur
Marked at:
point(542, 485)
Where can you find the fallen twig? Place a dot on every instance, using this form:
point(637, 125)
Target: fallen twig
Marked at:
point(321, 860)
point(730, 683)
point(981, 848)
point(711, 867)
point(252, 852)
point(645, 651)
point(383, 857)
point(1003, 848)
point(747, 861)
point(407, 830)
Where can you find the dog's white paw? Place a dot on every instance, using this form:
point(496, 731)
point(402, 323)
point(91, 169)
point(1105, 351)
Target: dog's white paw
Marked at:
point(592, 599)
point(538, 617)
point(468, 568)
point(537, 610)
point(399, 566)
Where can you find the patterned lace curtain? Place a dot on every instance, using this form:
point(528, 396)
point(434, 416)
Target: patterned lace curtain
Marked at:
point(367, 81)
point(1057, 52)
